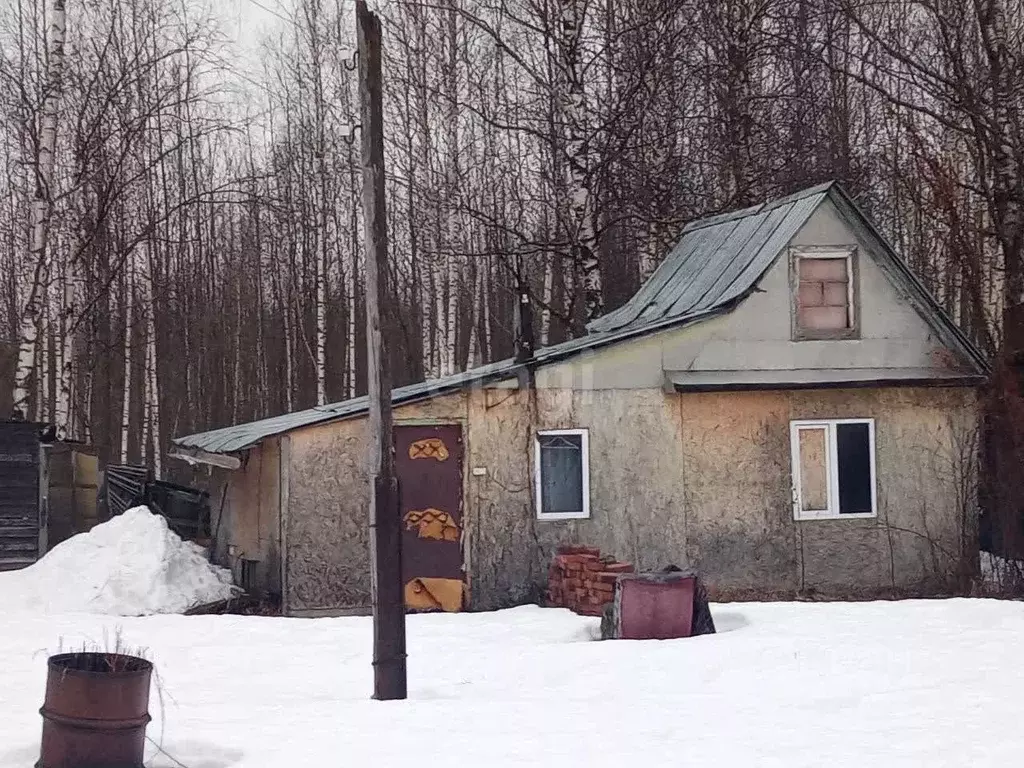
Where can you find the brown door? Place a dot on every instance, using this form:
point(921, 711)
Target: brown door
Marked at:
point(428, 461)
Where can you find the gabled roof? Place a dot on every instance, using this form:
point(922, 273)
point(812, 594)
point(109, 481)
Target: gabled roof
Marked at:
point(717, 261)
point(716, 264)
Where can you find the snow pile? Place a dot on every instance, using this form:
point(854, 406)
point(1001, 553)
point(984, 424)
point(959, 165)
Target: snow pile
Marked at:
point(133, 565)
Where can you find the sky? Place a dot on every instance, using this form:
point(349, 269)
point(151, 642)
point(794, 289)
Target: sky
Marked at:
point(246, 21)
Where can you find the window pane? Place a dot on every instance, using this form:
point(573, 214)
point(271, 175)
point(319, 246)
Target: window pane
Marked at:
point(813, 470)
point(824, 270)
point(812, 294)
point(823, 296)
point(836, 294)
point(853, 445)
point(824, 318)
point(561, 473)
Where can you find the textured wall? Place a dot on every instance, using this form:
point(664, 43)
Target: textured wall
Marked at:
point(698, 479)
point(250, 528)
point(636, 482)
point(328, 559)
point(743, 535)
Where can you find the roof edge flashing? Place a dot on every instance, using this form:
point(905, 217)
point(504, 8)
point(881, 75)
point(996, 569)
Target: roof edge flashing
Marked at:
point(193, 456)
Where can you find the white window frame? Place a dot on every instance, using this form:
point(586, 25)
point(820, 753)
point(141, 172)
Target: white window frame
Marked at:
point(831, 460)
point(583, 514)
point(825, 253)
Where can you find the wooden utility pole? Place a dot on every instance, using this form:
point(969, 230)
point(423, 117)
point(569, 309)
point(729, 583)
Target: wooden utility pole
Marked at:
point(389, 676)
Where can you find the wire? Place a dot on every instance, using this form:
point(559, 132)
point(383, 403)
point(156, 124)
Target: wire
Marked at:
point(271, 11)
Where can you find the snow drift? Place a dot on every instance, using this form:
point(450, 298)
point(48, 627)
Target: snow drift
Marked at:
point(133, 565)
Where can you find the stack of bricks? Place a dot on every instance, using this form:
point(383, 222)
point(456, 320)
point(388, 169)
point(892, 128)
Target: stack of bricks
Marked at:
point(583, 581)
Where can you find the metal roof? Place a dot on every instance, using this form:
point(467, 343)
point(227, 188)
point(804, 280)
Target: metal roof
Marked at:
point(717, 262)
point(242, 436)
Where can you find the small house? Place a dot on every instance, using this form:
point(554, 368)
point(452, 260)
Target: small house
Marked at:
point(782, 406)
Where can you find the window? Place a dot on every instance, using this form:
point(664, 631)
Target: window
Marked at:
point(833, 468)
point(562, 467)
point(824, 294)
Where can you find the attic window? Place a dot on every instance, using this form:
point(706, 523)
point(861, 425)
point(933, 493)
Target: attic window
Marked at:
point(824, 297)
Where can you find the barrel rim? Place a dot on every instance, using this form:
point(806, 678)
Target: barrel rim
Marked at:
point(131, 666)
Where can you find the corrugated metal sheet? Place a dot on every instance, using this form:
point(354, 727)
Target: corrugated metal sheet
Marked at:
point(241, 436)
point(716, 263)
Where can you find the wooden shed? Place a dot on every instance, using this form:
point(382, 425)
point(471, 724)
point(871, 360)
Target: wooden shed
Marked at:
point(23, 535)
point(47, 491)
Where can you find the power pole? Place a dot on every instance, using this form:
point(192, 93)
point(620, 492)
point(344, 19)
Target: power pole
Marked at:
point(389, 676)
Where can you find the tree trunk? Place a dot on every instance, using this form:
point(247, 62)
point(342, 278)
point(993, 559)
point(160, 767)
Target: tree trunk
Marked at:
point(42, 203)
point(579, 174)
point(152, 382)
point(126, 388)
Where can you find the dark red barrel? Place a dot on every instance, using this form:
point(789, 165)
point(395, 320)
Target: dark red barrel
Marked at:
point(95, 711)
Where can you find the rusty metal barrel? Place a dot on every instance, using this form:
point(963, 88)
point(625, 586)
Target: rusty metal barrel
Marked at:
point(95, 711)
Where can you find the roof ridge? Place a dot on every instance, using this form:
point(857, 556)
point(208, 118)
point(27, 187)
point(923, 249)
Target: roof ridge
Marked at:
point(762, 207)
point(722, 218)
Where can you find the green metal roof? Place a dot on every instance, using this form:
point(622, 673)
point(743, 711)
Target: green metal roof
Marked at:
point(242, 436)
point(716, 261)
point(716, 264)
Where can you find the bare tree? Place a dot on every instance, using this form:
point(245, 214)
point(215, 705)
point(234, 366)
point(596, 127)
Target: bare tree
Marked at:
point(35, 266)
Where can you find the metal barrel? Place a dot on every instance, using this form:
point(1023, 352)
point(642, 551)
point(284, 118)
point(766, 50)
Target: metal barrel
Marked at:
point(95, 711)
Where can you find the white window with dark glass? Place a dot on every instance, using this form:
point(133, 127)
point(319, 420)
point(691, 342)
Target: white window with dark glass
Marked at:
point(833, 468)
point(562, 474)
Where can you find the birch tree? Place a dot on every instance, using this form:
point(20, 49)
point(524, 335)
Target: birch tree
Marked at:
point(35, 266)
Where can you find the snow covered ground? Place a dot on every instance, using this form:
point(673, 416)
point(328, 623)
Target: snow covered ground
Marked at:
point(927, 683)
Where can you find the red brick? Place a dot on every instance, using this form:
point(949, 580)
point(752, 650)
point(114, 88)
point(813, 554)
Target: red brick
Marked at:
point(577, 558)
point(594, 565)
point(604, 589)
point(617, 568)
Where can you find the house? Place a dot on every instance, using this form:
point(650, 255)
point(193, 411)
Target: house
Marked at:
point(782, 405)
